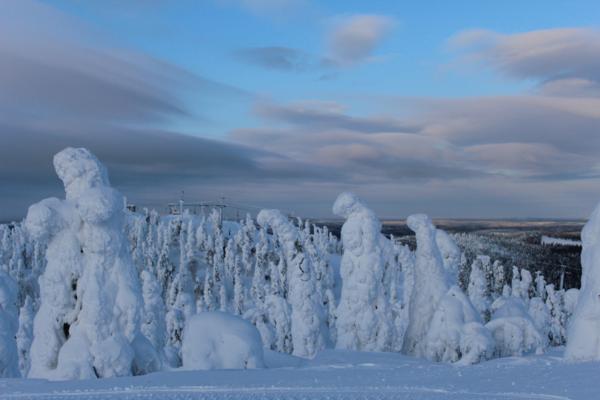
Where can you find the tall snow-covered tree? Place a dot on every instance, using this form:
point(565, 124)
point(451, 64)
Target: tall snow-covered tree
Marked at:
point(583, 338)
point(308, 333)
point(430, 284)
point(88, 324)
point(363, 311)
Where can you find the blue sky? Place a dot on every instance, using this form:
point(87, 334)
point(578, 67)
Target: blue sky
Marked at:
point(462, 108)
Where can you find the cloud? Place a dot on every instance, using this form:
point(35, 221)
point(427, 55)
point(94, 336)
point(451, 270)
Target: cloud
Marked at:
point(350, 41)
point(567, 123)
point(63, 85)
point(65, 65)
point(276, 58)
point(353, 39)
point(549, 55)
point(328, 115)
point(516, 137)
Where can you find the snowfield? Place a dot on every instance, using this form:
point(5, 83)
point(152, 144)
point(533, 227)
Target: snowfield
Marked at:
point(339, 374)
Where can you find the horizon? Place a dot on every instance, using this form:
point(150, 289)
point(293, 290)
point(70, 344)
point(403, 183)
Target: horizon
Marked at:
point(460, 110)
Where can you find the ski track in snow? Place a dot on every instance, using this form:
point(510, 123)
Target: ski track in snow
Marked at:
point(207, 392)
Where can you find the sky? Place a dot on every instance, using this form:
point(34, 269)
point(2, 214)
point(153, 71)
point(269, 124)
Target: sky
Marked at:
point(463, 109)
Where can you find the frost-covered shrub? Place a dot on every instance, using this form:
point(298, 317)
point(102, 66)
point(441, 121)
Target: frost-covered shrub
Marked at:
point(456, 332)
point(540, 316)
point(216, 340)
point(363, 312)
point(512, 328)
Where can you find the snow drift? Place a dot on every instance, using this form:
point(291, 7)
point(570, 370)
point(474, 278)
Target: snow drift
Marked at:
point(216, 340)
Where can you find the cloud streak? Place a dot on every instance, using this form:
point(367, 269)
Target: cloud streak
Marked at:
point(276, 58)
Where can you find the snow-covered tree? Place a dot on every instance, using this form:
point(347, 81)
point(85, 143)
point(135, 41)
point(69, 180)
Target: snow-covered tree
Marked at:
point(583, 338)
point(363, 311)
point(479, 289)
point(456, 332)
point(430, 284)
point(513, 329)
point(88, 324)
point(555, 305)
point(25, 334)
point(153, 315)
point(9, 358)
point(499, 278)
point(451, 255)
point(307, 320)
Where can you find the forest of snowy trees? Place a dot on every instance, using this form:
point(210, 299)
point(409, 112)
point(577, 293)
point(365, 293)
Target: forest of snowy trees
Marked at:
point(88, 289)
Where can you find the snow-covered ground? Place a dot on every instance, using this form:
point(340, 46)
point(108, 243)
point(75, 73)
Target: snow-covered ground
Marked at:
point(336, 374)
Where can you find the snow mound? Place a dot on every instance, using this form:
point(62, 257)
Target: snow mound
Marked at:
point(216, 340)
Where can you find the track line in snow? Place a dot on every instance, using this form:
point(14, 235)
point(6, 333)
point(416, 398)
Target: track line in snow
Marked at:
point(273, 392)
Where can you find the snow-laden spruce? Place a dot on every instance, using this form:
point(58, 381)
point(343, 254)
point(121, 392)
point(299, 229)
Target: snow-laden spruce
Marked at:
point(479, 290)
point(443, 324)
point(308, 322)
point(363, 314)
point(583, 341)
point(88, 324)
point(9, 359)
point(450, 253)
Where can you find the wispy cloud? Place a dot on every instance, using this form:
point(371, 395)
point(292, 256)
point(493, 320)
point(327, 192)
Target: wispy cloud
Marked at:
point(353, 39)
point(562, 58)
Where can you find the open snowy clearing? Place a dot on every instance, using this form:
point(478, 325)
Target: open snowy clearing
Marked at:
point(335, 374)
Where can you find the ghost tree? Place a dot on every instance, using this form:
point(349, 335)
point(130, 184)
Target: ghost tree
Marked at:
point(88, 324)
point(443, 324)
point(583, 338)
point(362, 314)
point(430, 284)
